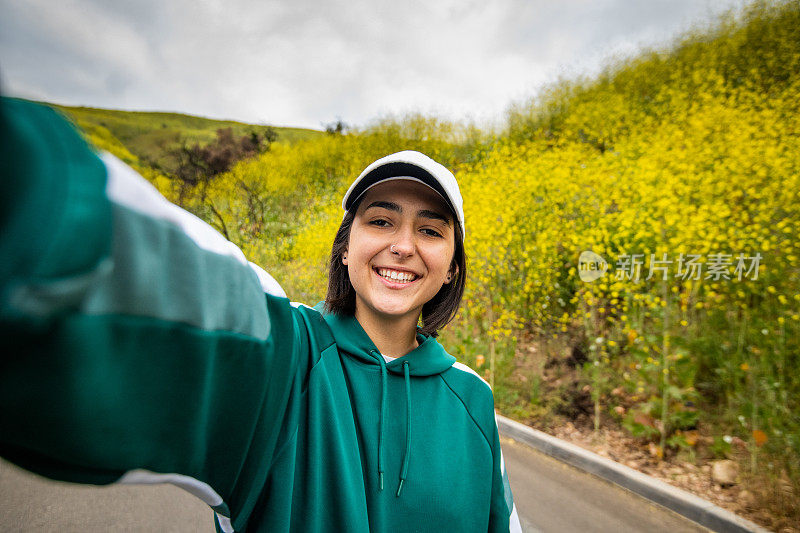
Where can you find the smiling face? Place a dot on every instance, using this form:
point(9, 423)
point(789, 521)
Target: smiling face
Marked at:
point(400, 249)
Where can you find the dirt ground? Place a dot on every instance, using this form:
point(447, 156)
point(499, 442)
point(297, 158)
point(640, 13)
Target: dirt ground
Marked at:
point(574, 423)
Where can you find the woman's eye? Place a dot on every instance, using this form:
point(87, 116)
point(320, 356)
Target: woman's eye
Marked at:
point(431, 232)
point(380, 222)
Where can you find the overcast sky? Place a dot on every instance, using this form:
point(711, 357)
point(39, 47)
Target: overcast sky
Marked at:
point(309, 62)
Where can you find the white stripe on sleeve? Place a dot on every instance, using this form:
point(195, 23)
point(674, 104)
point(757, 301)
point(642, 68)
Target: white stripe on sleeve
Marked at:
point(127, 188)
point(193, 486)
point(513, 521)
point(268, 283)
point(465, 368)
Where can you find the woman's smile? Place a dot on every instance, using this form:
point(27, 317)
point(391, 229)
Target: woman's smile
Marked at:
point(395, 276)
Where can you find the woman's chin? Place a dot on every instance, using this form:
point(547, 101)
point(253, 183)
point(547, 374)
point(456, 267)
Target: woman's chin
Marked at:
point(396, 311)
point(388, 310)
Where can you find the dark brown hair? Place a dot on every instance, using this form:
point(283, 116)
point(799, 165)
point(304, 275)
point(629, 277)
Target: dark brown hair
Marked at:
point(436, 313)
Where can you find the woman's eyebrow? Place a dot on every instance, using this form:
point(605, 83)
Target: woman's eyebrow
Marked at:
point(425, 213)
point(422, 213)
point(391, 206)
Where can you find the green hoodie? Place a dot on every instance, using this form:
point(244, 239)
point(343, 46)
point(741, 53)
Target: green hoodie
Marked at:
point(144, 348)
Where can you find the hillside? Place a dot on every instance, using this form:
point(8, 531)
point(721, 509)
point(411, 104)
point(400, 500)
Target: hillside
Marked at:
point(151, 136)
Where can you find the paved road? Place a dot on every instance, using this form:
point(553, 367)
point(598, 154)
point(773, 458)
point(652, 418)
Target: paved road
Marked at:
point(32, 503)
point(554, 497)
point(550, 497)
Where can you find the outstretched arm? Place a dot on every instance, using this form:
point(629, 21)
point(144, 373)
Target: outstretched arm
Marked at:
point(138, 342)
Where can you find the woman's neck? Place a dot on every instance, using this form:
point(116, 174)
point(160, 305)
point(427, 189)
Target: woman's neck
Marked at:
point(394, 337)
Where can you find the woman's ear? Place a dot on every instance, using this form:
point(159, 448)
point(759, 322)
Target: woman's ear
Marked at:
point(452, 274)
point(344, 257)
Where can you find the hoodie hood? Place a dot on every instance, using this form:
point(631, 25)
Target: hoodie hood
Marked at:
point(428, 359)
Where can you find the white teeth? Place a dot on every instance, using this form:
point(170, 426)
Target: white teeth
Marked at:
point(394, 275)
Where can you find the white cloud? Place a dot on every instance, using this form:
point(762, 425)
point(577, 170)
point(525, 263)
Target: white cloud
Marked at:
point(309, 62)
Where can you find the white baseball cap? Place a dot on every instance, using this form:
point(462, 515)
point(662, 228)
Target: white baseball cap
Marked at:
point(409, 165)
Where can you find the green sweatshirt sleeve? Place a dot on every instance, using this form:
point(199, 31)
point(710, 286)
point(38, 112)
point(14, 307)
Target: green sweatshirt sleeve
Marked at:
point(139, 345)
point(503, 512)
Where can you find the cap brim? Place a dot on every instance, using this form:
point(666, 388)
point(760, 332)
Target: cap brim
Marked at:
point(395, 170)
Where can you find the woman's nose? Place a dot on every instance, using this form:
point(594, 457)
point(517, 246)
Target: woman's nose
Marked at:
point(403, 245)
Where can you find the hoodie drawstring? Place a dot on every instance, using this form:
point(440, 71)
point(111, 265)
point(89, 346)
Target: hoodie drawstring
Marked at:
point(406, 457)
point(404, 470)
point(383, 409)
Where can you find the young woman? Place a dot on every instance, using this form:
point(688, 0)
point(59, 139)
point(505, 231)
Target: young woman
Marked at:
point(142, 347)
